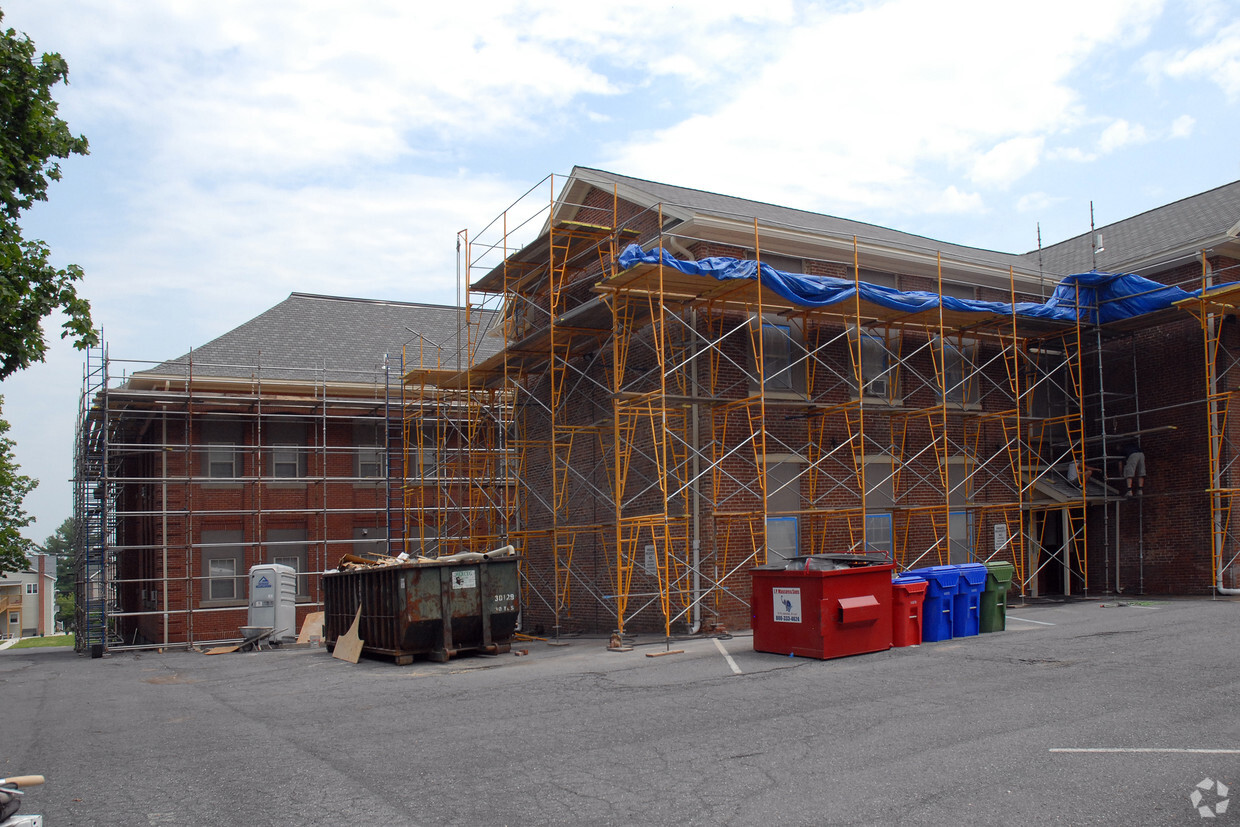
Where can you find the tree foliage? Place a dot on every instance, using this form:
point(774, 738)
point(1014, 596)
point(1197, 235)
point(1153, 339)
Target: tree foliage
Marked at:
point(13, 518)
point(32, 137)
point(61, 545)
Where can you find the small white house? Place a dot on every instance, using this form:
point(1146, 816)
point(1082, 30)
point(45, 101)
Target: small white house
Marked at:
point(28, 599)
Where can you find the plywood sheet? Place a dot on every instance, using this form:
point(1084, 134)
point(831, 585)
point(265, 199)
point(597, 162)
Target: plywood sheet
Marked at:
point(311, 628)
point(349, 645)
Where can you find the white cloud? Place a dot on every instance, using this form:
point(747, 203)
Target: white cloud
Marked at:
point(1182, 127)
point(1071, 153)
point(1032, 202)
point(832, 120)
point(1216, 61)
point(1008, 161)
point(1120, 133)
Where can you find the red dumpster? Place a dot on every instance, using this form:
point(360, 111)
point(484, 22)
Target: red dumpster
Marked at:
point(907, 595)
point(816, 613)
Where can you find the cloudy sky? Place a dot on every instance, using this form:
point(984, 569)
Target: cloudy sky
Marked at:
point(241, 150)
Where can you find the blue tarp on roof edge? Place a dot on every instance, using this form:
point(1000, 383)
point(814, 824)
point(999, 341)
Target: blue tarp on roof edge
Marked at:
point(1104, 297)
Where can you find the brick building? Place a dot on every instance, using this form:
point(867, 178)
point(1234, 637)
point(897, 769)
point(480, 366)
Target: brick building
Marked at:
point(278, 442)
point(675, 427)
point(672, 420)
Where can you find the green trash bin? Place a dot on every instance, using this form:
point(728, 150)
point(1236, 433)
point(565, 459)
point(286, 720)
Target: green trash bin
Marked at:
point(994, 596)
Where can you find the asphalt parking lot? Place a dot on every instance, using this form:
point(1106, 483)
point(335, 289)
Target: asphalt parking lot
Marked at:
point(1079, 713)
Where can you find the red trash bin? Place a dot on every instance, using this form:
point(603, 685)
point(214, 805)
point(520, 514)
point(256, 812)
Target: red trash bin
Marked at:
point(907, 595)
point(822, 614)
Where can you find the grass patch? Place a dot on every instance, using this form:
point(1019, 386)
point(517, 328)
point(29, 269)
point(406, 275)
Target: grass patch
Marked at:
point(50, 640)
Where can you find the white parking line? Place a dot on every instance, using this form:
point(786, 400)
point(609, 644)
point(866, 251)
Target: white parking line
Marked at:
point(1026, 620)
point(719, 645)
point(1150, 749)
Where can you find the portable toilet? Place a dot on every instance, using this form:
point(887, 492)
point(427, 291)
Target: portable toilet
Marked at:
point(273, 600)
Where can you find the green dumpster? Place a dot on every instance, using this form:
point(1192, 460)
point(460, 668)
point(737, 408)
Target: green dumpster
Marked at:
point(994, 596)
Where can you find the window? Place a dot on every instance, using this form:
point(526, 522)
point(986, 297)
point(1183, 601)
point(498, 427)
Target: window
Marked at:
point(784, 264)
point(959, 521)
point(287, 453)
point(959, 291)
point(371, 454)
point(286, 461)
point(780, 347)
point(960, 536)
point(876, 278)
point(783, 494)
point(1047, 381)
point(287, 547)
point(878, 533)
point(878, 374)
point(32, 588)
point(879, 502)
point(223, 574)
point(223, 566)
point(222, 455)
point(424, 459)
point(777, 356)
point(960, 378)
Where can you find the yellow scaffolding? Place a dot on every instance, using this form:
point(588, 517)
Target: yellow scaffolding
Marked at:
point(668, 430)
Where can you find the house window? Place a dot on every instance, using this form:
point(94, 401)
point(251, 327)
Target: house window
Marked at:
point(288, 449)
point(879, 502)
point(222, 455)
point(1047, 383)
point(878, 373)
point(877, 279)
point(783, 494)
point(784, 264)
point(426, 458)
point(878, 533)
point(371, 455)
point(287, 547)
point(959, 291)
point(960, 536)
point(223, 566)
point(960, 375)
point(959, 520)
point(777, 356)
point(32, 588)
point(782, 369)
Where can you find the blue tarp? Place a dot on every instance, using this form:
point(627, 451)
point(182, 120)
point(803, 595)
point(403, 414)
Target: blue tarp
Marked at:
point(1104, 297)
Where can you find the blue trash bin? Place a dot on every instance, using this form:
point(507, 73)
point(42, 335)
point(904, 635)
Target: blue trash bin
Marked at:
point(943, 581)
point(967, 603)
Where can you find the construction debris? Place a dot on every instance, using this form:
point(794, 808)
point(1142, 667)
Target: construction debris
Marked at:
point(349, 645)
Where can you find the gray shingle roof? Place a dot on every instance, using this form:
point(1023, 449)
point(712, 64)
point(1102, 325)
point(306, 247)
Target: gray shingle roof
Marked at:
point(712, 203)
point(310, 338)
point(1177, 228)
point(1134, 243)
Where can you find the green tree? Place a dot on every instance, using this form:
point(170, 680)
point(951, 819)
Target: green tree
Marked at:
point(61, 546)
point(13, 490)
point(32, 137)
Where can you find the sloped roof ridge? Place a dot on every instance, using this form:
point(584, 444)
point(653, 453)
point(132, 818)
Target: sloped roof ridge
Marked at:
point(931, 243)
point(326, 297)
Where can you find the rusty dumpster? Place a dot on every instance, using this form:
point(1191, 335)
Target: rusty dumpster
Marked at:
point(440, 608)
